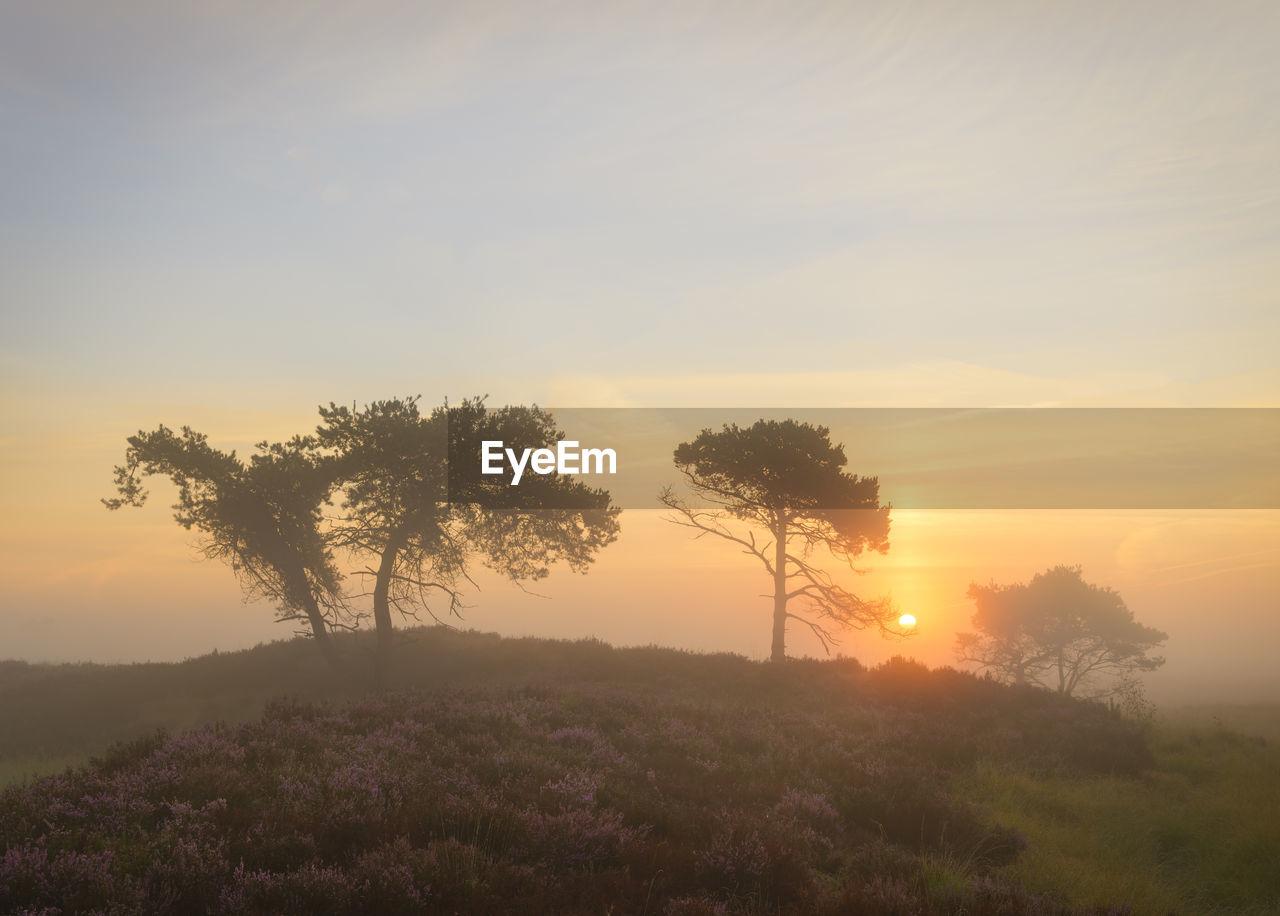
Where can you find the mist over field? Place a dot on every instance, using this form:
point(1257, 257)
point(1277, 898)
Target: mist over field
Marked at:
point(1182, 571)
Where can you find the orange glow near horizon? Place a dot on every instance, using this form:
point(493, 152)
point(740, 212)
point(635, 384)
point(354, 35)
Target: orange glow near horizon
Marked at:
point(86, 584)
point(129, 586)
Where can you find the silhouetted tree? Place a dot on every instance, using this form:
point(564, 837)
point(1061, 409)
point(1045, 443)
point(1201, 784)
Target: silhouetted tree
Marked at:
point(263, 516)
point(1060, 632)
point(788, 479)
point(417, 505)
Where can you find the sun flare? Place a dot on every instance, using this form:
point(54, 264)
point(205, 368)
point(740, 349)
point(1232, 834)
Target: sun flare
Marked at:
point(907, 620)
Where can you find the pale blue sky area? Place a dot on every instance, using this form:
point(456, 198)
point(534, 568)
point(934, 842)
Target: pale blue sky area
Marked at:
point(388, 196)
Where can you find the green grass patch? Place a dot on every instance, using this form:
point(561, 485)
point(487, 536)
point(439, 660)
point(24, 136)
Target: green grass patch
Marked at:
point(1196, 834)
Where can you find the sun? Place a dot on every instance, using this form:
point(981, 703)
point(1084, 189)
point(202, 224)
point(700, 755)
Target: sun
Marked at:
point(907, 620)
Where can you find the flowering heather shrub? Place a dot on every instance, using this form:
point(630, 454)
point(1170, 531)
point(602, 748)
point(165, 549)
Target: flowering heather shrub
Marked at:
point(807, 822)
point(577, 839)
point(822, 789)
point(696, 906)
point(736, 858)
point(575, 790)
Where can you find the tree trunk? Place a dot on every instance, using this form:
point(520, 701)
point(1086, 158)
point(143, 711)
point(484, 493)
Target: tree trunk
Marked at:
point(382, 609)
point(304, 598)
point(320, 632)
point(780, 591)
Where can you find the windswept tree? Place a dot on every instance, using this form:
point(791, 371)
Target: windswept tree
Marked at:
point(778, 490)
point(417, 506)
point(1059, 632)
point(262, 516)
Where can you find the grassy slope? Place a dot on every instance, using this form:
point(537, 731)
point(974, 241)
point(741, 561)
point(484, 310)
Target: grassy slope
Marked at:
point(69, 711)
point(1198, 833)
point(1194, 833)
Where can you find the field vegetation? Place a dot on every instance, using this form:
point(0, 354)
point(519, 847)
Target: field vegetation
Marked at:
point(496, 775)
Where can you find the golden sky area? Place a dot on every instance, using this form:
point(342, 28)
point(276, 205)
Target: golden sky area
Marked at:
point(87, 584)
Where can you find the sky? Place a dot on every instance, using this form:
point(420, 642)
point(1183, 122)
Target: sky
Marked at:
point(225, 214)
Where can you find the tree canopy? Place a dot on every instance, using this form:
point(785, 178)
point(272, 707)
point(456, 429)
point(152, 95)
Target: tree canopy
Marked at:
point(262, 516)
point(415, 510)
point(416, 505)
point(785, 483)
point(1059, 632)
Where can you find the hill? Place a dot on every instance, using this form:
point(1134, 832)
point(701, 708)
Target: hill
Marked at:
point(573, 777)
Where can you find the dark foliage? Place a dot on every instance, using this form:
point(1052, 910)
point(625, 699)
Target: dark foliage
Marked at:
point(779, 492)
point(1059, 632)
